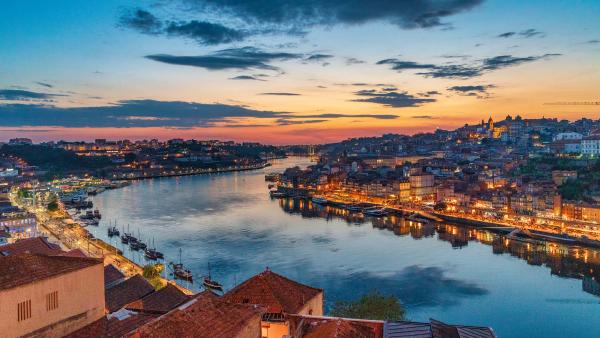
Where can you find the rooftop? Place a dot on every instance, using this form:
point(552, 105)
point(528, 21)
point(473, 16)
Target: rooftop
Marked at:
point(161, 301)
point(36, 245)
point(113, 325)
point(434, 329)
point(275, 292)
point(209, 316)
point(25, 268)
point(112, 276)
point(126, 292)
point(336, 328)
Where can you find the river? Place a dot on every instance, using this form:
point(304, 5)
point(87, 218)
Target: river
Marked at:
point(446, 272)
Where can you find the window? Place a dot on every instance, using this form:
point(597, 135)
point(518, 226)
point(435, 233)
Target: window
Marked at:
point(24, 310)
point(52, 301)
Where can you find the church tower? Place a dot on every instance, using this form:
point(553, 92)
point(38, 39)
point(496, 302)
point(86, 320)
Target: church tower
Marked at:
point(490, 124)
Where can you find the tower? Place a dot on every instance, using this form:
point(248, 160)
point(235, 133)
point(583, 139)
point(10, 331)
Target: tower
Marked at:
point(490, 124)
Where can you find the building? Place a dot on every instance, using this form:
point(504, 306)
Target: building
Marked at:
point(421, 185)
point(590, 146)
point(207, 316)
point(19, 224)
point(561, 176)
point(278, 296)
point(49, 296)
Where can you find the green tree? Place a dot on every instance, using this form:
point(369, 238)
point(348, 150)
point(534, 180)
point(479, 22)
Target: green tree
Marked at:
point(373, 306)
point(53, 206)
point(152, 274)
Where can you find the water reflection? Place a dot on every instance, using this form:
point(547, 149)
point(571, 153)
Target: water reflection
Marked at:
point(564, 261)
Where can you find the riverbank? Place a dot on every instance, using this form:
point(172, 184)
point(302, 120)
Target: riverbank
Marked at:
point(147, 175)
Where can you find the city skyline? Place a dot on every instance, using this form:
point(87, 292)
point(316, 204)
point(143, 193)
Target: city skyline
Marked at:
point(306, 73)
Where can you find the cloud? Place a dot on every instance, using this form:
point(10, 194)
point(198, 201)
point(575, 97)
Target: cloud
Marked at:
point(392, 99)
point(25, 95)
point(232, 58)
point(289, 122)
point(298, 15)
point(401, 65)
point(593, 41)
point(281, 94)
point(318, 57)
point(479, 91)
point(147, 113)
point(245, 77)
point(142, 21)
point(353, 61)
point(503, 61)
point(424, 117)
point(528, 33)
point(205, 33)
point(464, 71)
point(430, 93)
point(506, 35)
point(44, 84)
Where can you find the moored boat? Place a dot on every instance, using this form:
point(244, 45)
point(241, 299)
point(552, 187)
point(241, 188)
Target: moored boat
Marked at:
point(319, 200)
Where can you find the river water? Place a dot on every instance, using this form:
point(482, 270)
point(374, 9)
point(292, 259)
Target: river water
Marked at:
point(446, 272)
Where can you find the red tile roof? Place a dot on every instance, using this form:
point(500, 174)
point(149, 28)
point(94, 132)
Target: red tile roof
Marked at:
point(204, 317)
point(112, 327)
point(126, 292)
point(73, 253)
point(273, 291)
point(161, 301)
point(36, 245)
point(336, 328)
point(112, 275)
point(25, 268)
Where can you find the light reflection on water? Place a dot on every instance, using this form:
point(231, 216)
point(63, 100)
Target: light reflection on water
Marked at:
point(460, 275)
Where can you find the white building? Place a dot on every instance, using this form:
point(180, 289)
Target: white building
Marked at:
point(590, 145)
point(567, 136)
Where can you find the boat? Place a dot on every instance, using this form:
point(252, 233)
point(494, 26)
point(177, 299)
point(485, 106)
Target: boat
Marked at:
point(180, 271)
point(97, 214)
point(92, 222)
point(375, 211)
point(209, 284)
point(354, 208)
point(125, 236)
point(88, 215)
point(113, 231)
point(319, 200)
point(152, 253)
point(277, 194)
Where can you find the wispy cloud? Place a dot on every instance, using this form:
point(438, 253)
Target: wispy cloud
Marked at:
point(281, 94)
point(392, 99)
point(464, 70)
point(479, 91)
point(528, 33)
point(26, 95)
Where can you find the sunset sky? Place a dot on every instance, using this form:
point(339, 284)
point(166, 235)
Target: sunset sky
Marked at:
point(286, 72)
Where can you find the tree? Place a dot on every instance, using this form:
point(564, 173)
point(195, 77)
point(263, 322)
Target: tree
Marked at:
point(53, 206)
point(152, 274)
point(440, 206)
point(373, 306)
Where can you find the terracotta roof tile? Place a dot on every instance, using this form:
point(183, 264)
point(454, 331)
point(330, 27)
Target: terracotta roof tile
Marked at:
point(24, 268)
point(337, 328)
point(126, 292)
point(161, 301)
point(36, 245)
point(204, 317)
point(275, 292)
point(112, 275)
point(111, 326)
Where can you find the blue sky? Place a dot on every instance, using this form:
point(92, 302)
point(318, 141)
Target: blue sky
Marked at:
point(88, 54)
